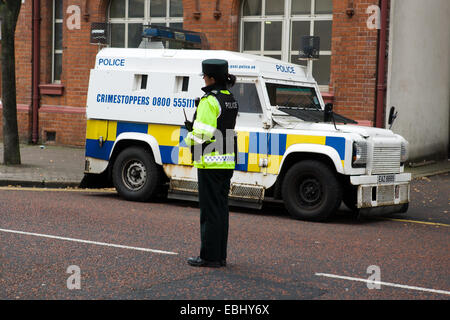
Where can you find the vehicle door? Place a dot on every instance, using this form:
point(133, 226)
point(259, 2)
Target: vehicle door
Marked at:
point(252, 136)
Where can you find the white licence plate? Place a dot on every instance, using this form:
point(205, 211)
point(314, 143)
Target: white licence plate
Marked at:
point(387, 178)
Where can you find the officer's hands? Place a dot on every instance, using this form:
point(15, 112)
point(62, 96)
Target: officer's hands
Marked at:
point(188, 125)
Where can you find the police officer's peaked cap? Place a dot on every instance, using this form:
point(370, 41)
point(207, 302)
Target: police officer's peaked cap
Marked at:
point(215, 67)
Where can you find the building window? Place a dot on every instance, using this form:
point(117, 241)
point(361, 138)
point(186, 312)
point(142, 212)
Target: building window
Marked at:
point(128, 16)
point(273, 28)
point(57, 51)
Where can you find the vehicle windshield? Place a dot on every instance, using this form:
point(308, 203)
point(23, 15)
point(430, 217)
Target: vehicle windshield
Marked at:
point(292, 96)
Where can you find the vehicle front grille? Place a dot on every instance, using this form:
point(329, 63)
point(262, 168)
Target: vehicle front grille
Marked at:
point(385, 194)
point(386, 159)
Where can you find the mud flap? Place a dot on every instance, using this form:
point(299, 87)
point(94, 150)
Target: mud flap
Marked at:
point(94, 181)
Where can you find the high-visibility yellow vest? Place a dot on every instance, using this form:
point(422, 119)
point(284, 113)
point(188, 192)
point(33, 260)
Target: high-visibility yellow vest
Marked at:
point(213, 134)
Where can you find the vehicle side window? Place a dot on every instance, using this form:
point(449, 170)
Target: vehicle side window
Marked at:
point(247, 97)
point(292, 96)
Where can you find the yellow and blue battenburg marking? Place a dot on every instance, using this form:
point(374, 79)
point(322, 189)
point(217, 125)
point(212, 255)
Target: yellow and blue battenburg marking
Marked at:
point(252, 146)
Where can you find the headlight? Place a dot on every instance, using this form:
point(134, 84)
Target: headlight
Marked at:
point(405, 151)
point(359, 157)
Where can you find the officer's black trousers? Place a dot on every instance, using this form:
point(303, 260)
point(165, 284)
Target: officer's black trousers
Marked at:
point(213, 188)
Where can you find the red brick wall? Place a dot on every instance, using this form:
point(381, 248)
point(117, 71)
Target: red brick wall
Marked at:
point(223, 32)
point(69, 123)
point(63, 114)
point(353, 62)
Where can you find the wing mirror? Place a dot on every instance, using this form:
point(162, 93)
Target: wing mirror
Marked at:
point(328, 112)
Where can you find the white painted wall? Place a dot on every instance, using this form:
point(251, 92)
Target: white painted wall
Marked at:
point(419, 75)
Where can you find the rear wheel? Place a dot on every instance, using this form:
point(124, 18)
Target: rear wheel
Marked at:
point(311, 191)
point(135, 174)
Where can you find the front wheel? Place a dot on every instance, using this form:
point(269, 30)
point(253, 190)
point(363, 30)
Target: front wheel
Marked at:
point(311, 191)
point(135, 174)
point(350, 198)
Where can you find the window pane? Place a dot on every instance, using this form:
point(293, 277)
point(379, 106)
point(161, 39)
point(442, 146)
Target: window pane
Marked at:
point(321, 70)
point(323, 30)
point(299, 29)
point(58, 36)
point(158, 8)
point(58, 9)
point(176, 8)
point(274, 7)
point(118, 35)
point(57, 67)
point(134, 35)
point(324, 7)
point(272, 35)
point(247, 97)
point(117, 9)
point(301, 7)
point(292, 96)
point(252, 8)
point(136, 8)
point(294, 59)
point(252, 36)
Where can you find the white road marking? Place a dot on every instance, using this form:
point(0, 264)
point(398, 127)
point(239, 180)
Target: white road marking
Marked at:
point(383, 283)
point(88, 242)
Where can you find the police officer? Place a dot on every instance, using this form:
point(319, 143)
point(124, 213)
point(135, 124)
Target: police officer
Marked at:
point(213, 142)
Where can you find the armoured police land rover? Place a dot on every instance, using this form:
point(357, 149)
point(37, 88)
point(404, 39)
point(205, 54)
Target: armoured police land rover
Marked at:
point(289, 147)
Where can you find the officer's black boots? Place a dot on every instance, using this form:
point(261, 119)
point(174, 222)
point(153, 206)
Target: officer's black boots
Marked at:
point(199, 262)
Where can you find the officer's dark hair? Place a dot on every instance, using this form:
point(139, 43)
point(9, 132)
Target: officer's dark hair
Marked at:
point(226, 80)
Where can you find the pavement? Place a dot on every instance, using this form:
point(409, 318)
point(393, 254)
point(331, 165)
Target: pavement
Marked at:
point(49, 166)
point(44, 166)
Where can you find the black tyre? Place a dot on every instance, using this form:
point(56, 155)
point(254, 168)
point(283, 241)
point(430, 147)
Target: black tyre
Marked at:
point(404, 208)
point(135, 174)
point(350, 198)
point(311, 191)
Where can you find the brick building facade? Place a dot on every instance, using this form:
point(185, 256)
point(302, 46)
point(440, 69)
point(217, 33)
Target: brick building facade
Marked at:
point(65, 65)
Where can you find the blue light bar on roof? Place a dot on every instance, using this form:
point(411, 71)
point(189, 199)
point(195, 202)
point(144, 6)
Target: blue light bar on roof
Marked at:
point(165, 33)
